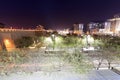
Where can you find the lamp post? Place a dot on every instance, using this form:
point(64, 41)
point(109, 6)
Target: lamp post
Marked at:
point(53, 40)
point(87, 42)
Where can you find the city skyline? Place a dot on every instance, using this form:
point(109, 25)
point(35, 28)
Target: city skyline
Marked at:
point(55, 14)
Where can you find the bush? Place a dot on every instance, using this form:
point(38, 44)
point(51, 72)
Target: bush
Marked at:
point(79, 61)
point(24, 42)
point(12, 57)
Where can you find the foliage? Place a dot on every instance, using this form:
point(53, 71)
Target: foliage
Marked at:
point(108, 40)
point(12, 57)
point(87, 40)
point(109, 48)
point(24, 42)
point(40, 42)
point(79, 61)
point(2, 25)
point(9, 61)
point(72, 41)
point(55, 41)
point(59, 41)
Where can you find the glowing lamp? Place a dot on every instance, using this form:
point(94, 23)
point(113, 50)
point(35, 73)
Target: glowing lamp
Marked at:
point(7, 42)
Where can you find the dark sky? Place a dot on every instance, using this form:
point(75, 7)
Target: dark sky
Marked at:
point(55, 14)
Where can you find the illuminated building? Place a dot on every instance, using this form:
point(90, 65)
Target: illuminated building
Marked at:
point(111, 26)
point(96, 26)
point(63, 32)
point(107, 26)
point(78, 28)
point(114, 25)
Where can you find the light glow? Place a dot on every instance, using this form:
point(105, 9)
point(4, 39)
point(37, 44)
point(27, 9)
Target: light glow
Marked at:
point(48, 40)
point(9, 44)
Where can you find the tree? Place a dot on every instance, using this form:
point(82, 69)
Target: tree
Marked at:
point(24, 42)
point(40, 27)
point(72, 41)
point(40, 42)
point(2, 25)
point(109, 49)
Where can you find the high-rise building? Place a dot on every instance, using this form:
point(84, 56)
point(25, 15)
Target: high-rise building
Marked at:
point(78, 28)
point(107, 27)
point(115, 25)
point(96, 26)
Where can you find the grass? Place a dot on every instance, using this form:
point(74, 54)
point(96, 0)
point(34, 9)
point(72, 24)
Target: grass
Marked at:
point(36, 60)
point(9, 60)
point(78, 60)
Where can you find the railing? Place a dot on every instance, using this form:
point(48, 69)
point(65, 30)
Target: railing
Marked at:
point(13, 30)
point(115, 70)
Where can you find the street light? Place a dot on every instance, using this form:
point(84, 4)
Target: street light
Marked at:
point(53, 40)
point(88, 40)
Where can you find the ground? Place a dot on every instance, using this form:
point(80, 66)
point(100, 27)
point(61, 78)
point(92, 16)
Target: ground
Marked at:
point(51, 67)
point(63, 75)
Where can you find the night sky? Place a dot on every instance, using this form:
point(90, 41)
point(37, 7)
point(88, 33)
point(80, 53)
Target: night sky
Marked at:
point(56, 14)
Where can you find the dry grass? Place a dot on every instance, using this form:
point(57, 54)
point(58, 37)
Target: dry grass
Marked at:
point(37, 60)
point(27, 61)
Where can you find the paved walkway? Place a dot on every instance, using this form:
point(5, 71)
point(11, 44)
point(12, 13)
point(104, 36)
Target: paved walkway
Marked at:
point(63, 75)
point(103, 75)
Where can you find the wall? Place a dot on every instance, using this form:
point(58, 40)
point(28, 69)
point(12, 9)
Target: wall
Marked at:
point(7, 37)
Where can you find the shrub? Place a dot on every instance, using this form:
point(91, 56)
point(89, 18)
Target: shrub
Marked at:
point(24, 42)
